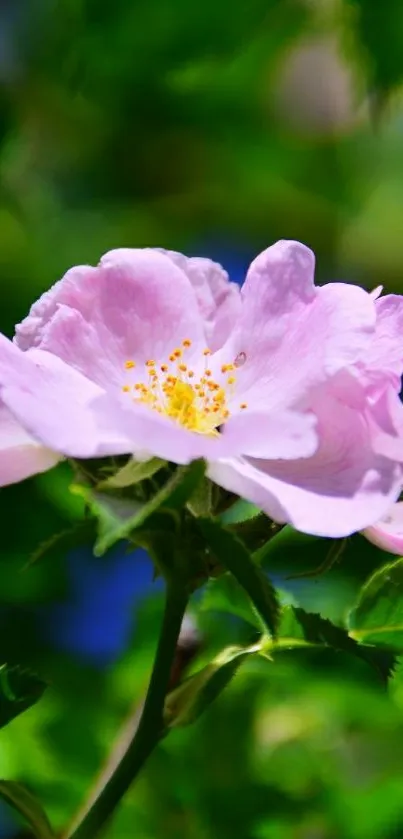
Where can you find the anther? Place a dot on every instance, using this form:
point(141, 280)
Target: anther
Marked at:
point(129, 365)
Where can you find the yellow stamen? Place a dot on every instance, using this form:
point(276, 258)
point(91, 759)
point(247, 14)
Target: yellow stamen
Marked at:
point(200, 406)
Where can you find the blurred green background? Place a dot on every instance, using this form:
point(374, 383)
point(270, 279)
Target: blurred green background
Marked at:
point(215, 129)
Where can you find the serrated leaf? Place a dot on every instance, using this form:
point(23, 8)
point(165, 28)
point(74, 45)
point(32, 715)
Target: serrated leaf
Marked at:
point(19, 690)
point(234, 556)
point(397, 669)
point(224, 594)
point(187, 702)
point(27, 805)
point(377, 617)
point(132, 473)
point(80, 533)
point(298, 628)
point(119, 517)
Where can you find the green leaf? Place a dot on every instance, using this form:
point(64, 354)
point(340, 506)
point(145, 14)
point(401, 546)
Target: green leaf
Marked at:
point(286, 540)
point(132, 473)
point(224, 594)
point(19, 690)
point(233, 555)
point(187, 702)
point(378, 29)
point(82, 532)
point(298, 628)
point(119, 517)
point(200, 502)
point(377, 617)
point(397, 670)
point(240, 511)
point(28, 806)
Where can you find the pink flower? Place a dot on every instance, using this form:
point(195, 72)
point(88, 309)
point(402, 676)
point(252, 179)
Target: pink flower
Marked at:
point(388, 532)
point(290, 392)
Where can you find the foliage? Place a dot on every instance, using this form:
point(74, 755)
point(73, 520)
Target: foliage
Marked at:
point(203, 129)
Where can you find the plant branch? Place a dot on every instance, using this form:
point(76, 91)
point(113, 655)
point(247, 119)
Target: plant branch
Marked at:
point(142, 732)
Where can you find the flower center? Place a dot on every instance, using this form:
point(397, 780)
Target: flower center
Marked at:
point(196, 401)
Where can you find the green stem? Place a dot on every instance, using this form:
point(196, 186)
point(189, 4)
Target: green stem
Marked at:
point(150, 728)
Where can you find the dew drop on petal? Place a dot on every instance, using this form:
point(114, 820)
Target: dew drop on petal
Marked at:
point(240, 359)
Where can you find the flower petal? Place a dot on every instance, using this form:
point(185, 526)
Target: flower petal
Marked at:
point(70, 414)
point(343, 488)
point(388, 532)
point(20, 455)
point(135, 305)
point(385, 353)
point(54, 403)
point(286, 435)
point(291, 335)
point(218, 299)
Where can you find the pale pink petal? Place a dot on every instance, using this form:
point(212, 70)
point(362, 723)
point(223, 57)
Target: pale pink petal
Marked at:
point(219, 300)
point(385, 419)
point(290, 335)
point(70, 414)
point(385, 353)
point(54, 403)
point(75, 290)
point(136, 305)
point(20, 455)
point(286, 435)
point(388, 532)
point(159, 435)
point(341, 489)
